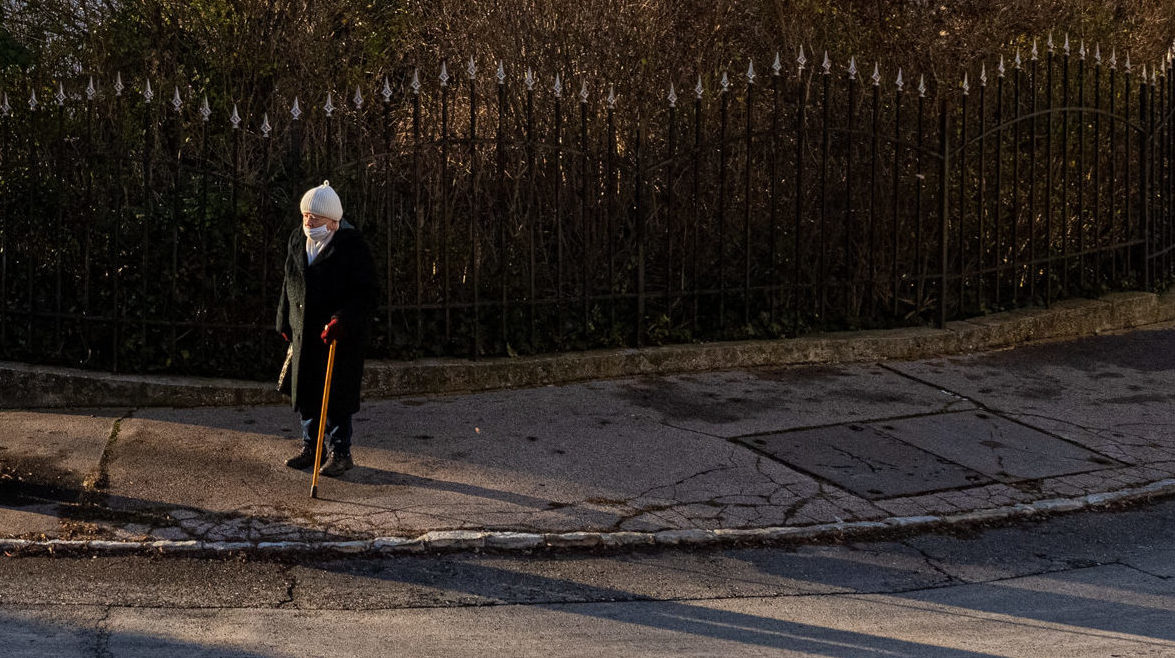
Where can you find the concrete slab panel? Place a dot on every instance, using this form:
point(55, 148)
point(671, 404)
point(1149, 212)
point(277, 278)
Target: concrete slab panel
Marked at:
point(731, 404)
point(867, 461)
point(1114, 394)
point(47, 457)
point(38, 631)
point(994, 446)
point(31, 522)
point(55, 447)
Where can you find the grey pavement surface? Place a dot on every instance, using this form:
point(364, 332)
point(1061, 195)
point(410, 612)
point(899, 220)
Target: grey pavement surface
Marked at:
point(1087, 584)
point(762, 448)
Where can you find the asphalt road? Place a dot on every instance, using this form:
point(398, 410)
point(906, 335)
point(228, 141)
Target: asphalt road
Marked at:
point(1090, 584)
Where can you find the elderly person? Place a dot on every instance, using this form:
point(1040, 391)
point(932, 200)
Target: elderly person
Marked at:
point(328, 294)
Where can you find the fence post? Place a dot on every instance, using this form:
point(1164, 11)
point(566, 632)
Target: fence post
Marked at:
point(474, 266)
point(176, 162)
point(417, 208)
point(944, 153)
point(557, 210)
point(5, 160)
point(724, 110)
point(59, 218)
point(747, 196)
point(1145, 133)
point(638, 174)
point(446, 299)
point(116, 150)
point(503, 258)
point(822, 277)
point(797, 219)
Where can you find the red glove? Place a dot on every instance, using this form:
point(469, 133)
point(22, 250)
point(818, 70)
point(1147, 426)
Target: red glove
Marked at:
point(332, 331)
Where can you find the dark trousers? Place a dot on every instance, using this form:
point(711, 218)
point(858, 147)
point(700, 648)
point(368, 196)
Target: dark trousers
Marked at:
point(337, 435)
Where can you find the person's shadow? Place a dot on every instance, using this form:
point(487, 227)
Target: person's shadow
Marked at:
point(380, 477)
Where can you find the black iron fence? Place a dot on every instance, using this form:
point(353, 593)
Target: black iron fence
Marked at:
point(143, 230)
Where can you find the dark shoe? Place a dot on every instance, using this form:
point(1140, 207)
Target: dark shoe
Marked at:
point(338, 465)
point(304, 459)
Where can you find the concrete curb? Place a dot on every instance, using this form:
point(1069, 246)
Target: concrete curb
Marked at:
point(28, 386)
point(450, 541)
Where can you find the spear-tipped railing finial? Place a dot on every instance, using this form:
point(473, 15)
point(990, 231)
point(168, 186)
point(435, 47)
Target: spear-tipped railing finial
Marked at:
point(235, 118)
point(265, 127)
point(966, 86)
point(698, 87)
point(60, 95)
point(176, 101)
point(583, 93)
point(415, 84)
point(899, 83)
point(558, 88)
point(725, 84)
point(876, 74)
point(386, 92)
point(148, 95)
point(501, 74)
point(611, 97)
point(1001, 68)
point(5, 108)
point(118, 86)
point(827, 64)
point(33, 101)
point(471, 69)
point(672, 96)
point(529, 79)
point(922, 86)
point(444, 76)
point(751, 72)
point(801, 61)
point(777, 65)
point(295, 110)
point(206, 111)
point(329, 107)
point(91, 91)
point(852, 68)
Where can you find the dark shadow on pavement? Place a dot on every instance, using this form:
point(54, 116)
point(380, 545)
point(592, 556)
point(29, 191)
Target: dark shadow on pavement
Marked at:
point(380, 477)
point(32, 638)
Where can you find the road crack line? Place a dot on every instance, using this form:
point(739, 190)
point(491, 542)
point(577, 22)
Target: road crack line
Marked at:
point(101, 645)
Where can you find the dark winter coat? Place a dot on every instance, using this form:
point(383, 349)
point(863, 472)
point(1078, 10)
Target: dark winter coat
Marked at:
point(340, 284)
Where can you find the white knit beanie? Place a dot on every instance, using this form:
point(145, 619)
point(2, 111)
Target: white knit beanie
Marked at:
point(323, 201)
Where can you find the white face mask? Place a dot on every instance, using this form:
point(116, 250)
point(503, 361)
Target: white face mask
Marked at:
point(318, 234)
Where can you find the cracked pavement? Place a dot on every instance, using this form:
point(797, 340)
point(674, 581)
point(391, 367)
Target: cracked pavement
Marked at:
point(741, 449)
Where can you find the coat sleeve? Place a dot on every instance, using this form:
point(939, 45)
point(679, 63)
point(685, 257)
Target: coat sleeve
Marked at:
point(282, 323)
point(358, 304)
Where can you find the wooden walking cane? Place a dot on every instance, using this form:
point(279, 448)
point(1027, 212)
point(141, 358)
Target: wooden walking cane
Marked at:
point(330, 367)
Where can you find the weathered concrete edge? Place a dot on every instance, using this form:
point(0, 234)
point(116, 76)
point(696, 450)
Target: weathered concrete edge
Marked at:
point(449, 541)
point(1066, 319)
point(27, 386)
